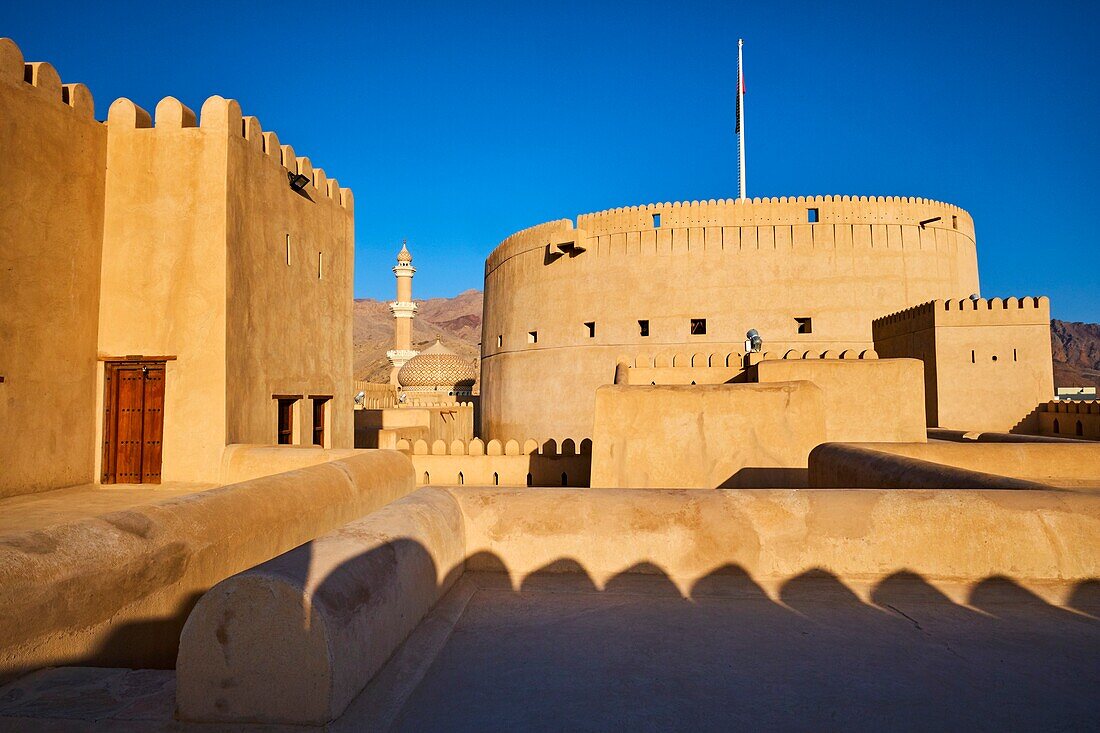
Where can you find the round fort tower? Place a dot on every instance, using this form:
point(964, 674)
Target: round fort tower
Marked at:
point(684, 282)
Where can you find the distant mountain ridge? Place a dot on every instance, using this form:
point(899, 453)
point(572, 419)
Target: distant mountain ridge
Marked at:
point(456, 322)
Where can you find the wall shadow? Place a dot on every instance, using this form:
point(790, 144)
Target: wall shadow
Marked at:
point(555, 650)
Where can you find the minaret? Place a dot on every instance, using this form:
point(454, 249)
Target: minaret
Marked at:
point(404, 310)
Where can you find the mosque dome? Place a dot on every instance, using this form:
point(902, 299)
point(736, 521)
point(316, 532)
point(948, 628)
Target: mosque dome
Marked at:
point(439, 368)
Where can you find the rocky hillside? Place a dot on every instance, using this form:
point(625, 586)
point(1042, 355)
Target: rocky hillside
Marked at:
point(1076, 348)
point(457, 323)
point(454, 321)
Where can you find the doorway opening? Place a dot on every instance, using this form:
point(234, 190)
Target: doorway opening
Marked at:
point(133, 422)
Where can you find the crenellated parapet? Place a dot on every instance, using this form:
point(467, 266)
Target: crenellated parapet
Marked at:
point(224, 115)
point(1028, 310)
point(797, 224)
point(42, 78)
point(479, 447)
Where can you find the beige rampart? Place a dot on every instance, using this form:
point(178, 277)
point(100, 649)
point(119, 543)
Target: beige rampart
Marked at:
point(382, 428)
point(706, 436)
point(865, 399)
point(52, 154)
point(210, 258)
point(115, 589)
point(243, 462)
point(738, 265)
point(510, 463)
point(295, 639)
point(987, 362)
point(375, 396)
point(1079, 419)
point(1067, 465)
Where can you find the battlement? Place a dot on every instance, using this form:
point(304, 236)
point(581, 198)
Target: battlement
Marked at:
point(781, 210)
point(733, 358)
point(525, 239)
point(43, 77)
point(1072, 407)
point(220, 114)
point(478, 447)
point(1027, 310)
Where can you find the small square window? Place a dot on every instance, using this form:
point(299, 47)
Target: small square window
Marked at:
point(656, 221)
point(591, 326)
point(500, 341)
point(811, 215)
point(532, 337)
point(805, 325)
point(643, 328)
point(698, 326)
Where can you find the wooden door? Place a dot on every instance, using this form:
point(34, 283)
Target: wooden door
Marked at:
point(133, 422)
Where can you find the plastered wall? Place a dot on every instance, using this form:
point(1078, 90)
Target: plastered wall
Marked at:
point(1077, 420)
point(476, 463)
point(197, 267)
point(164, 273)
point(987, 363)
point(865, 399)
point(756, 264)
point(52, 153)
point(705, 436)
point(288, 326)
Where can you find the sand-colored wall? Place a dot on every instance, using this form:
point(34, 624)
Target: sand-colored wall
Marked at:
point(115, 590)
point(297, 638)
point(740, 265)
point(196, 268)
point(288, 325)
point(243, 462)
point(988, 362)
point(476, 463)
point(1077, 420)
point(164, 273)
point(864, 399)
point(1056, 464)
point(773, 535)
point(52, 153)
point(706, 436)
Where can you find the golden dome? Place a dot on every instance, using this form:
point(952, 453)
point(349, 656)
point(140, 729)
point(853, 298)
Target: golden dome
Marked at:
point(404, 255)
point(438, 367)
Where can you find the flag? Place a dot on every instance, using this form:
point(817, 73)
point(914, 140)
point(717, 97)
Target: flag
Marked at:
point(740, 93)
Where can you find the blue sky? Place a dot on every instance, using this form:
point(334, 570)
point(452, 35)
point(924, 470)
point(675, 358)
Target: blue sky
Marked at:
point(459, 123)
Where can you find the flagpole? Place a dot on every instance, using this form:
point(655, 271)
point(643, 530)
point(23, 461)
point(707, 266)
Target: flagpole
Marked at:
point(740, 120)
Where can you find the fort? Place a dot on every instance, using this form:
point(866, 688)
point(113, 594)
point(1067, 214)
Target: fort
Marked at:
point(768, 463)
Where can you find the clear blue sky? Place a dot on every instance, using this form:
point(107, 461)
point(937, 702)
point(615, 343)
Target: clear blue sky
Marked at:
point(458, 123)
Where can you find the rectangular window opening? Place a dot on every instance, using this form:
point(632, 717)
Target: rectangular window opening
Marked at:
point(643, 328)
point(656, 221)
point(1014, 355)
point(591, 326)
point(973, 358)
point(320, 407)
point(286, 420)
point(288, 250)
point(698, 326)
point(954, 222)
point(320, 265)
point(500, 341)
point(805, 325)
point(812, 215)
point(532, 337)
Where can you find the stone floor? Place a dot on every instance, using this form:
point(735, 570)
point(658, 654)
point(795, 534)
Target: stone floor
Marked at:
point(559, 654)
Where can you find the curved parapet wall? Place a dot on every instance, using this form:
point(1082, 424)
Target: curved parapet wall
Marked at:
point(114, 590)
point(564, 304)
